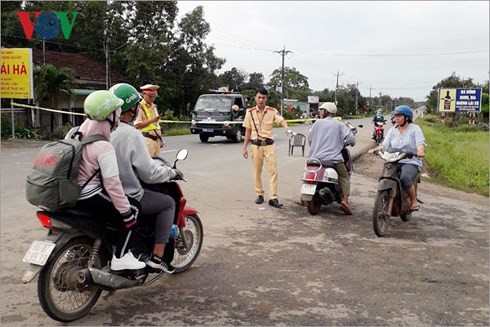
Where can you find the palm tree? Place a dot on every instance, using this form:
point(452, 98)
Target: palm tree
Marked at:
point(50, 81)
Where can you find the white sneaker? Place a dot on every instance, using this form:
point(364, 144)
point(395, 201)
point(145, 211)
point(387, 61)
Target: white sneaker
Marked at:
point(127, 262)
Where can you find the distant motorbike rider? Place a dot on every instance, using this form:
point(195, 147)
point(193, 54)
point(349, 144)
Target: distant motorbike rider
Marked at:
point(135, 164)
point(377, 118)
point(407, 137)
point(327, 138)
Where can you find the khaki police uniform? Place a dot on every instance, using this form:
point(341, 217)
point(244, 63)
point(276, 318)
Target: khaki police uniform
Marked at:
point(152, 132)
point(262, 146)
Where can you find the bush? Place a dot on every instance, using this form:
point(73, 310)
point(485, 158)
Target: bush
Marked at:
point(20, 131)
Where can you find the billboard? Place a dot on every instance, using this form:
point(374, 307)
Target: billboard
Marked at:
point(459, 100)
point(17, 81)
point(313, 99)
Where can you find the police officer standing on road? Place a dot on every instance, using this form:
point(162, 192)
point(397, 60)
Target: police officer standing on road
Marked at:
point(148, 118)
point(258, 123)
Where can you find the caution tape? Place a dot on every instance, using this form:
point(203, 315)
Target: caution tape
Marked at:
point(47, 109)
point(303, 120)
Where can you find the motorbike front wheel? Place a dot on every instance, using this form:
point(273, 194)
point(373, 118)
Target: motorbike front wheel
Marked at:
point(381, 216)
point(61, 296)
point(314, 205)
point(184, 256)
point(379, 139)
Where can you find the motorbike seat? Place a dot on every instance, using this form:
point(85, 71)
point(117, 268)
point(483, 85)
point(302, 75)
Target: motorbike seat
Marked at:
point(92, 224)
point(314, 162)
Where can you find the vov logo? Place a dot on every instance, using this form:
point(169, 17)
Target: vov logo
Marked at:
point(47, 24)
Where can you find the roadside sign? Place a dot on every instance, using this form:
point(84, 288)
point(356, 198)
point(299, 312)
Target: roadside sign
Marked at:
point(17, 81)
point(459, 100)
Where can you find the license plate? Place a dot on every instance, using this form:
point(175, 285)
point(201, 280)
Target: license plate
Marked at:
point(38, 253)
point(207, 130)
point(308, 189)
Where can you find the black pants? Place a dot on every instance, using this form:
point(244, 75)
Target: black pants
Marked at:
point(101, 205)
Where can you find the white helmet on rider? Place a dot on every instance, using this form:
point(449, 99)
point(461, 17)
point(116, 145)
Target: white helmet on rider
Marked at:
point(330, 107)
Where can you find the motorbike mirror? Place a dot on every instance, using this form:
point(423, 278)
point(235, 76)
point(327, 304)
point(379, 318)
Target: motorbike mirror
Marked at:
point(182, 154)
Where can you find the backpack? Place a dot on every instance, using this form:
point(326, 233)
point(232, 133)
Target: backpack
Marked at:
point(52, 183)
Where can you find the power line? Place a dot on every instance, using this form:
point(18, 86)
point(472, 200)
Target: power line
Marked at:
point(395, 55)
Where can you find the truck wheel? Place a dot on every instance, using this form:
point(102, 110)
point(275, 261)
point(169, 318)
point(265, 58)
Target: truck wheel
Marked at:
point(238, 137)
point(203, 138)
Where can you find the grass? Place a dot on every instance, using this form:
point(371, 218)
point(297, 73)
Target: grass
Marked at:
point(176, 129)
point(457, 157)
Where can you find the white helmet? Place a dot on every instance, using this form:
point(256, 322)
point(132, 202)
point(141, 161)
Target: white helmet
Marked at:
point(330, 107)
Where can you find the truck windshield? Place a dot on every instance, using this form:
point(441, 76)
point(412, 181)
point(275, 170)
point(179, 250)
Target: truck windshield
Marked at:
point(213, 103)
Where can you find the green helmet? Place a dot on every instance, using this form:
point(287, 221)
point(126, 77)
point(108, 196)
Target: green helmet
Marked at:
point(100, 104)
point(127, 93)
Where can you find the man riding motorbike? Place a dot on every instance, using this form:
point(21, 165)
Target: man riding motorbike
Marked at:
point(377, 118)
point(407, 137)
point(135, 164)
point(327, 138)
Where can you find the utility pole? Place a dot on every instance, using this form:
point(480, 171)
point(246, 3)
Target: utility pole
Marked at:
point(337, 86)
point(357, 104)
point(370, 99)
point(283, 53)
point(107, 59)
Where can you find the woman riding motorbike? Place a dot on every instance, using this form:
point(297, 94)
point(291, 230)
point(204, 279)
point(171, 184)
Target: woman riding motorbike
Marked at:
point(407, 137)
point(103, 195)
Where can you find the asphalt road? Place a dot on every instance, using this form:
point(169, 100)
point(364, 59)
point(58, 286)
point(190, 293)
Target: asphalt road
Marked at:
point(264, 266)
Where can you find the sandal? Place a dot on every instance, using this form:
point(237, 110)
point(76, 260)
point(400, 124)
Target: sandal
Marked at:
point(415, 208)
point(345, 208)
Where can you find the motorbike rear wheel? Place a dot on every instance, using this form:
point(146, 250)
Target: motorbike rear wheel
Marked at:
point(184, 256)
point(381, 216)
point(61, 296)
point(314, 205)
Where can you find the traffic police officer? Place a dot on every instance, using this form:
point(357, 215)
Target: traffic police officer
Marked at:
point(258, 123)
point(148, 118)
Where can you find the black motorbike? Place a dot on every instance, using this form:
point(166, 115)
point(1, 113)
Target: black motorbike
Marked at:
point(391, 200)
point(73, 262)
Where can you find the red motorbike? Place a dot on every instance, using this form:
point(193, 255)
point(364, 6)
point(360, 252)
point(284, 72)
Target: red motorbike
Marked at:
point(378, 132)
point(73, 262)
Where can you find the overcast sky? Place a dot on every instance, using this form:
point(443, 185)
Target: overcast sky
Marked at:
point(399, 48)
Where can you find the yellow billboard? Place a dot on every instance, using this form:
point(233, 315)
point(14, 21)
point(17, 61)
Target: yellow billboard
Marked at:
point(16, 74)
point(447, 100)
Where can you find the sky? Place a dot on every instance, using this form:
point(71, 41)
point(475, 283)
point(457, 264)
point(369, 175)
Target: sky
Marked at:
point(396, 48)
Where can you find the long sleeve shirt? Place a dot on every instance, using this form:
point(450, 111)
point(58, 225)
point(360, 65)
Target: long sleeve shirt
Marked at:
point(135, 163)
point(327, 138)
point(100, 155)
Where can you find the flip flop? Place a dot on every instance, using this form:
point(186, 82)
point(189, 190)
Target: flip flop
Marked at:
point(345, 208)
point(415, 208)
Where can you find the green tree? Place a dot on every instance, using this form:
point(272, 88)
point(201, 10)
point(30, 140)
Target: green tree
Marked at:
point(452, 81)
point(295, 84)
point(234, 79)
point(255, 80)
point(50, 81)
